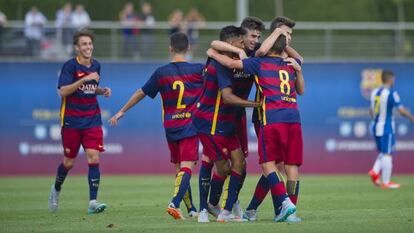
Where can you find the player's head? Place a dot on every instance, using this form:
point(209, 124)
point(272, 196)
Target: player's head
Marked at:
point(388, 77)
point(253, 27)
point(233, 35)
point(83, 42)
point(283, 23)
point(279, 45)
point(179, 43)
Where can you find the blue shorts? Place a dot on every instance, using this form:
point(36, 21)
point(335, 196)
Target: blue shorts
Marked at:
point(385, 143)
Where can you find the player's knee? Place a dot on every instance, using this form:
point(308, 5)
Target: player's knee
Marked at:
point(292, 172)
point(68, 163)
point(93, 156)
point(223, 170)
point(187, 164)
point(238, 166)
point(268, 167)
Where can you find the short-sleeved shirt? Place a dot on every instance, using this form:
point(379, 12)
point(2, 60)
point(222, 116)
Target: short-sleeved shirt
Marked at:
point(80, 109)
point(180, 85)
point(276, 82)
point(212, 116)
point(383, 101)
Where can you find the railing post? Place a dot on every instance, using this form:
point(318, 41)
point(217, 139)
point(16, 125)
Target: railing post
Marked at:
point(328, 43)
point(114, 44)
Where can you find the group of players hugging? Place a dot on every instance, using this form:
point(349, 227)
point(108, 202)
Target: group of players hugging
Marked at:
point(203, 103)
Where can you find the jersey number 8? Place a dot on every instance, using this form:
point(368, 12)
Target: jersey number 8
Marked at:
point(284, 78)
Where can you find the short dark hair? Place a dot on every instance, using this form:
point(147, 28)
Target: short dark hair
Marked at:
point(80, 33)
point(230, 32)
point(253, 23)
point(279, 45)
point(386, 75)
point(179, 42)
point(281, 20)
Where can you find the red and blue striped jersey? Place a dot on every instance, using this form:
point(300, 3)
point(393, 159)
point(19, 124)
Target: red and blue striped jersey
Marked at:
point(242, 85)
point(180, 85)
point(276, 82)
point(212, 115)
point(80, 110)
point(243, 82)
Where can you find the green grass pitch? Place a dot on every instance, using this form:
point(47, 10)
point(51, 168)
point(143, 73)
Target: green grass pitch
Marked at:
point(138, 203)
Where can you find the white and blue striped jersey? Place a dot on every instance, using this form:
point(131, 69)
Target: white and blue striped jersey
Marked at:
point(383, 102)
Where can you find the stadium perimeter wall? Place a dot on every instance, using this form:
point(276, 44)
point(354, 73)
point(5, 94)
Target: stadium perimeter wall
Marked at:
point(334, 113)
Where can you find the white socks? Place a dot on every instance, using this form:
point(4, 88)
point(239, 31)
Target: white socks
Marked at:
point(378, 163)
point(386, 165)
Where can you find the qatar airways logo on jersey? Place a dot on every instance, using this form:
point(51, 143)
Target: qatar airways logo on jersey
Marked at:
point(88, 88)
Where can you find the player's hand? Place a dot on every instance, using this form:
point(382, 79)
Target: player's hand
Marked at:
point(211, 52)
point(107, 92)
point(259, 104)
point(114, 120)
point(242, 54)
point(285, 33)
point(91, 76)
point(294, 63)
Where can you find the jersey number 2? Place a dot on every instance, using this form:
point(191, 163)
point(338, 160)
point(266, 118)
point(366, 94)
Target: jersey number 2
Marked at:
point(180, 85)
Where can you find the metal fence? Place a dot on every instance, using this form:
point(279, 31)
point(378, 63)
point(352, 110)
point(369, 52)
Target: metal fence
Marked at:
point(314, 40)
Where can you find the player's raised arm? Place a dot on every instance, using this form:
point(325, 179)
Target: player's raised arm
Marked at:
point(269, 41)
point(135, 98)
point(225, 60)
point(71, 88)
point(232, 99)
point(223, 46)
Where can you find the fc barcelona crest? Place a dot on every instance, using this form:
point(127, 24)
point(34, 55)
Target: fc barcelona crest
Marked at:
point(371, 79)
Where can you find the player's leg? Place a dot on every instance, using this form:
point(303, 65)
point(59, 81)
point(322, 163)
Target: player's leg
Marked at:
point(188, 155)
point(188, 201)
point(375, 172)
point(283, 207)
point(260, 192)
point(216, 187)
point(213, 149)
point(189, 149)
point(94, 179)
point(182, 183)
point(292, 161)
point(204, 179)
point(71, 145)
point(174, 148)
point(270, 149)
point(92, 141)
point(388, 143)
point(241, 132)
point(231, 186)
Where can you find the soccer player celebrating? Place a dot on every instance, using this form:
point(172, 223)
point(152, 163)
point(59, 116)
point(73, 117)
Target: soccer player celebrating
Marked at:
point(242, 85)
point(81, 118)
point(383, 101)
point(180, 84)
point(280, 136)
point(280, 25)
point(215, 120)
